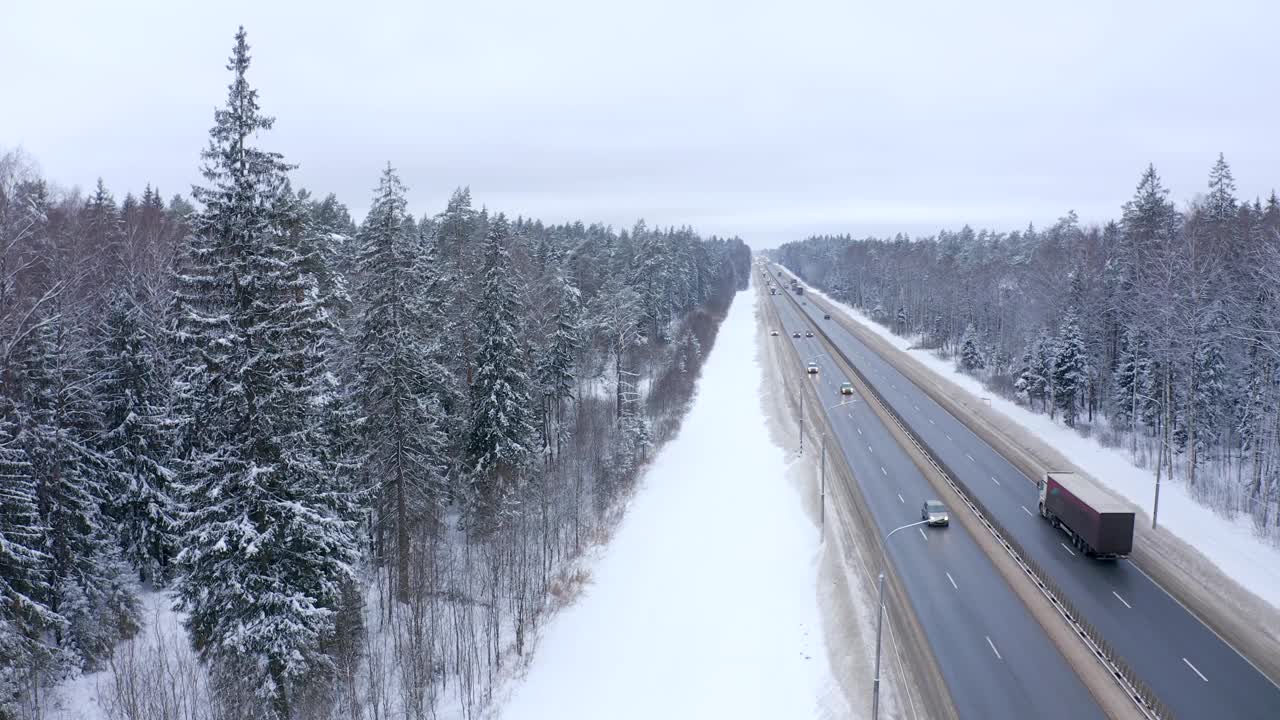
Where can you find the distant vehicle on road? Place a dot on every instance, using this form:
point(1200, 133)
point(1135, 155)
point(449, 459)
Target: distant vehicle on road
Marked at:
point(774, 333)
point(826, 316)
point(1097, 524)
point(813, 368)
point(808, 333)
point(846, 388)
point(799, 290)
point(935, 513)
point(795, 334)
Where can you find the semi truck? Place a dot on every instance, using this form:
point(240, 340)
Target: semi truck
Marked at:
point(1098, 525)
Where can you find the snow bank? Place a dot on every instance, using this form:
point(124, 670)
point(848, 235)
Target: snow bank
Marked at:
point(1229, 543)
point(704, 604)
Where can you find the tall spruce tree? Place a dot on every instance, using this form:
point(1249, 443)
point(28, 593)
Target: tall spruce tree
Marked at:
point(268, 528)
point(498, 444)
point(91, 588)
point(405, 443)
point(25, 590)
point(1070, 370)
point(136, 438)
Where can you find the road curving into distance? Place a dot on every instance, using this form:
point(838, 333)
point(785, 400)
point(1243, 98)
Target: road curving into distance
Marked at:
point(1191, 669)
point(994, 656)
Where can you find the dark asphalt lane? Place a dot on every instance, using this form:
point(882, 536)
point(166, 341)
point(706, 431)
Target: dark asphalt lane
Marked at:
point(993, 655)
point(1193, 671)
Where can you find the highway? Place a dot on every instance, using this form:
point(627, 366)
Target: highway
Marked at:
point(996, 660)
point(1192, 671)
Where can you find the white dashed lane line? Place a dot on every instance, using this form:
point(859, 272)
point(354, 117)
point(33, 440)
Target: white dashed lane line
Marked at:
point(993, 648)
point(1195, 670)
point(1113, 592)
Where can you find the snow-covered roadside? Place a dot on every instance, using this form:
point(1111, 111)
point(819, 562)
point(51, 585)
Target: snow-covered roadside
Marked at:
point(1229, 543)
point(704, 604)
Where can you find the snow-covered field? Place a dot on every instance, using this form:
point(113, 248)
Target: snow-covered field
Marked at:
point(704, 603)
point(1229, 543)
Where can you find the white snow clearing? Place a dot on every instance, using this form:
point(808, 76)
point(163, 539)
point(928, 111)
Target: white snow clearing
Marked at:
point(1229, 543)
point(704, 604)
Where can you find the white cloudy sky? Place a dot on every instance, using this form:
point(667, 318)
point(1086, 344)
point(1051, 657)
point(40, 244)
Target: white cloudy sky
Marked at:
point(769, 120)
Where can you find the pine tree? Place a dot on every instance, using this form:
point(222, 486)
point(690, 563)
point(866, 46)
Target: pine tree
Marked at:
point(268, 529)
point(1034, 380)
point(1220, 205)
point(90, 583)
point(498, 444)
point(558, 360)
point(970, 353)
point(400, 377)
point(1070, 370)
point(135, 441)
point(25, 616)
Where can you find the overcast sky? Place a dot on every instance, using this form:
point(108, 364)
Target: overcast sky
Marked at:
point(770, 120)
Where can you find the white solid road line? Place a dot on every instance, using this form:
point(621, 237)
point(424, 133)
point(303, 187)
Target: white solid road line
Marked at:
point(993, 648)
point(994, 480)
point(1196, 671)
point(926, 537)
point(953, 581)
point(1113, 592)
point(904, 502)
point(1025, 510)
point(1064, 547)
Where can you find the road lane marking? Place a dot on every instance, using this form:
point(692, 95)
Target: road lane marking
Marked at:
point(1025, 510)
point(1193, 668)
point(859, 430)
point(948, 436)
point(1113, 592)
point(1064, 547)
point(970, 457)
point(917, 407)
point(926, 537)
point(953, 581)
point(993, 648)
point(882, 472)
point(869, 449)
point(994, 480)
point(931, 422)
point(904, 502)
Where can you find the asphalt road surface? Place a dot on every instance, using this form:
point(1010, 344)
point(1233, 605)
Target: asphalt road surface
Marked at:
point(1192, 671)
point(994, 656)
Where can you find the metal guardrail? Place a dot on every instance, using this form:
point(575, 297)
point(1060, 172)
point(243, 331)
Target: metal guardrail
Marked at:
point(1138, 691)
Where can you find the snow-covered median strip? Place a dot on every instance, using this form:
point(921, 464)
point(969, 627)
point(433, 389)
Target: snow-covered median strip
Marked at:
point(1229, 543)
point(704, 604)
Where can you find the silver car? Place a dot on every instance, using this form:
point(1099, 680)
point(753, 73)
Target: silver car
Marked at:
point(935, 513)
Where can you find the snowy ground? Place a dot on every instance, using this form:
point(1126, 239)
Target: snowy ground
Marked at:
point(86, 696)
point(1229, 543)
point(704, 604)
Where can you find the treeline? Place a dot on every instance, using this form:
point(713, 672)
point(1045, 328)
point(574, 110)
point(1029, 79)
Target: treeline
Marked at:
point(1159, 331)
point(362, 457)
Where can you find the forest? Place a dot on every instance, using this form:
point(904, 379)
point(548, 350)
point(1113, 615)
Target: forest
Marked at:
point(1158, 332)
point(362, 458)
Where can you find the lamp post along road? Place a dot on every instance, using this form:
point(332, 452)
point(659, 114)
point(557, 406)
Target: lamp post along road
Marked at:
point(875, 685)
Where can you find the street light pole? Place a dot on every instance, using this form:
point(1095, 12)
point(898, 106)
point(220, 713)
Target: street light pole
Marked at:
point(875, 686)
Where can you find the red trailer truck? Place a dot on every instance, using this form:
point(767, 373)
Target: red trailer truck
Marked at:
point(1097, 524)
